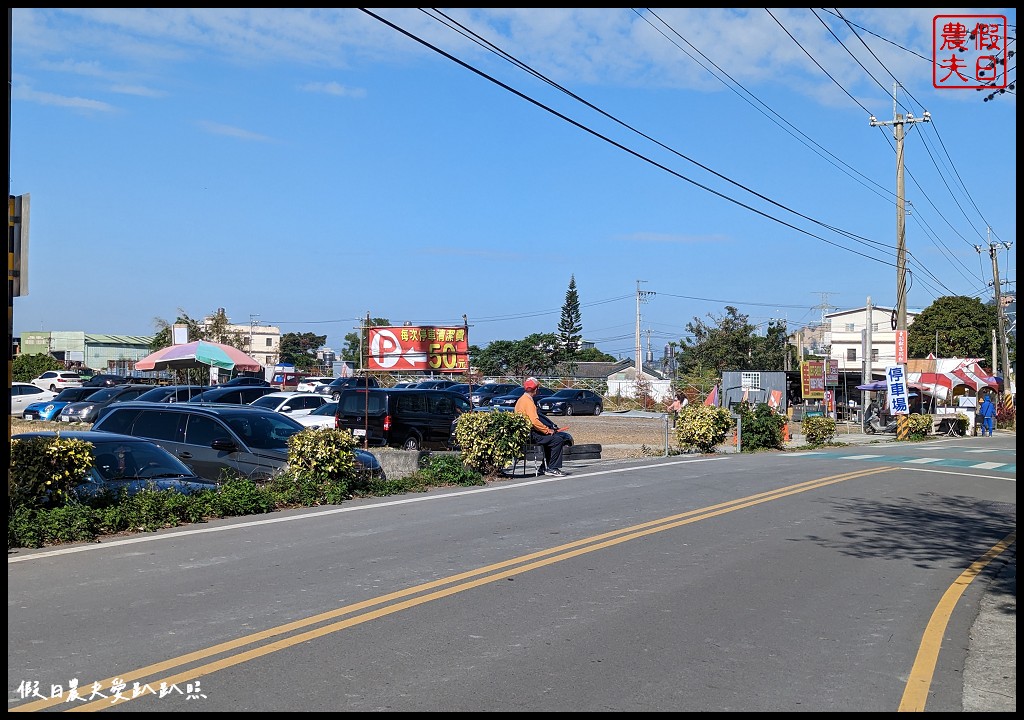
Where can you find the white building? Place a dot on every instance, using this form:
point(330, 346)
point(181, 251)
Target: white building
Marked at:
point(847, 338)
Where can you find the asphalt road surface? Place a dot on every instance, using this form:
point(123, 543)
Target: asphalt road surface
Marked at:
point(832, 581)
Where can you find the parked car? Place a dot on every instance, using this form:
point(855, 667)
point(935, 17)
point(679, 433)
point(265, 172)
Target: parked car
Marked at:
point(172, 393)
point(571, 401)
point(333, 390)
point(24, 394)
point(50, 409)
point(214, 438)
point(310, 384)
point(86, 411)
point(105, 380)
point(128, 464)
point(407, 418)
point(435, 384)
point(57, 380)
point(244, 380)
point(323, 416)
point(461, 388)
point(508, 400)
point(290, 402)
point(482, 396)
point(234, 395)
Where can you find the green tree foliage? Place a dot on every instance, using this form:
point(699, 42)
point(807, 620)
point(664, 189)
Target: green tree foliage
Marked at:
point(356, 348)
point(299, 349)
point(535, 354)
point(570, 327)
point(163, 337)
point(592, 354)
point(215, 328)
point(726, 344)
point(769, 352)
point(26, 368)
point(955, 326)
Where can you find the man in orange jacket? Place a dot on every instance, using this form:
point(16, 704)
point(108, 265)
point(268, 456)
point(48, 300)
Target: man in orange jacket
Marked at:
point(541, 433)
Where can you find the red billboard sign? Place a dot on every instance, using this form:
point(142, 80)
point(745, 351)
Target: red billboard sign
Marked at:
point(436, 349)
point(812, 379)
point(901, 347)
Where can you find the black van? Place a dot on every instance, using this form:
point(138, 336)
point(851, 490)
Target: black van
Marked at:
point(407, 418)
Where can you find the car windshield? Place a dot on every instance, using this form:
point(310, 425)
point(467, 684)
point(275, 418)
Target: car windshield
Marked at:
point(73, 394)
point(104, 394)
point(269, 402)
point(326, 409)
point(131, 460)
point(563, 395)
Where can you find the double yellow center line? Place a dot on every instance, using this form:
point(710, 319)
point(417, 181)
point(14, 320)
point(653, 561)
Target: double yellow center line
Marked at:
point(234, 653)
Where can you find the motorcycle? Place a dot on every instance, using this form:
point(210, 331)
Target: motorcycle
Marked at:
point(873, 424)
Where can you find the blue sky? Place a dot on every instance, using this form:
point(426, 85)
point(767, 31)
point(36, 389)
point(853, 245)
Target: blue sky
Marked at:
point(305, 167)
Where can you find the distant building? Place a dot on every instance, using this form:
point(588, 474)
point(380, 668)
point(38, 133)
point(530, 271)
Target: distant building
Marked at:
point(847, 336)
point(92, 350)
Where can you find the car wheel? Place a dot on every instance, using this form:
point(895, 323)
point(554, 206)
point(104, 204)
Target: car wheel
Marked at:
point(568, 409)
point(53, 388)
point(597, 409)
point(336, 396)
point(411, 443)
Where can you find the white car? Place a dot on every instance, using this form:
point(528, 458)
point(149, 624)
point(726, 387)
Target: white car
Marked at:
point(323, 416)
point(57, 380)
point(310, 384)
point(291, 402)
point(24, 394)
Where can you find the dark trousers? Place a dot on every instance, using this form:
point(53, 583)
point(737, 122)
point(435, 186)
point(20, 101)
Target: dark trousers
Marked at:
point(552, 445)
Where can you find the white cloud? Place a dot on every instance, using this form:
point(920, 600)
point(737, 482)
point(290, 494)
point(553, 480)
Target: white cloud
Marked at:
point(219, 129)
point(27, 94)
point(332, 88)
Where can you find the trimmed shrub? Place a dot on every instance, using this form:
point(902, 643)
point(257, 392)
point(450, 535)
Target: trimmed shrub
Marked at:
point(702, 427)
point(491, 441)
point(818, 430)
point(43, 472)
point(762, 427)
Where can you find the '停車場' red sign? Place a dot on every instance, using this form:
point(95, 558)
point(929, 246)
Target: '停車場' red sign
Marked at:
point(437, 349)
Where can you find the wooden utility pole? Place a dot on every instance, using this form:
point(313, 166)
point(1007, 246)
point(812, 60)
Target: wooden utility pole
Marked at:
point(1004, 356)
point(900, 326)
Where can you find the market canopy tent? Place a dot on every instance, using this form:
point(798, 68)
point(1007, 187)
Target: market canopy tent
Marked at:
point(938, 376)
point(196, 354)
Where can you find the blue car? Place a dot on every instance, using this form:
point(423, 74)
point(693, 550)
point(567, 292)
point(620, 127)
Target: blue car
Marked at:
point(50, 409)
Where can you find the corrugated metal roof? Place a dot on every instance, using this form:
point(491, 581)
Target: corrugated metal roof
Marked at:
point(119, 339)
point(600, 369)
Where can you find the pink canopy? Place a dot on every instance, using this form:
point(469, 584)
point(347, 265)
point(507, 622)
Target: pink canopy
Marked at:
point(196, 354)
point(938, 376)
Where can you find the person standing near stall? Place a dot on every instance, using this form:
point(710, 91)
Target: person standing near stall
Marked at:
point(987, 412)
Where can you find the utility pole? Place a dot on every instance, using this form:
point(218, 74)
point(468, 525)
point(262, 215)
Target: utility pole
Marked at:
point(252, 329)
point(867, 376)
point(1001, 327)
point(641, 296)
point(900, 326)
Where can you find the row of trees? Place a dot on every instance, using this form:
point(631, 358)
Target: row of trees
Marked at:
point(952, 326)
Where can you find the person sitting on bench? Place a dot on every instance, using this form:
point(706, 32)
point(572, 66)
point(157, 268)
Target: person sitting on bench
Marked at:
point(542, 433)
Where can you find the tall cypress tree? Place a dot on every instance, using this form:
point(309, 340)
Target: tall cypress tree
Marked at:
point(570, 326)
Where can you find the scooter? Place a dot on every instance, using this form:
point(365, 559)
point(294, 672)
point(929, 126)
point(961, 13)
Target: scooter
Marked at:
point(873, 424)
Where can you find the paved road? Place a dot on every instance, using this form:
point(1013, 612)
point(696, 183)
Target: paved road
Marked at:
point(531, 595)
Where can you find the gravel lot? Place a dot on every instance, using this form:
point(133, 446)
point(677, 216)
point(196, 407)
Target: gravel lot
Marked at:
point(621, 436)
